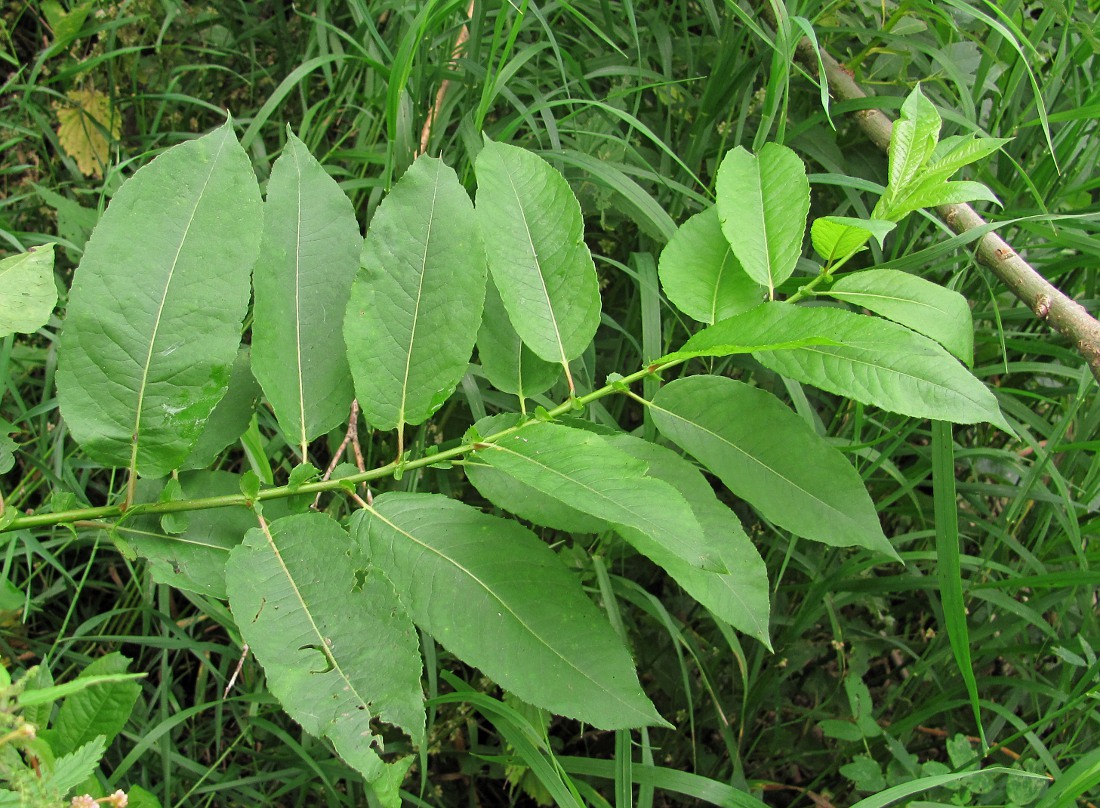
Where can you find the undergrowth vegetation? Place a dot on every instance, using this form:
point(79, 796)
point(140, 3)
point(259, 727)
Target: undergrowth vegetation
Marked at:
point(975, 648)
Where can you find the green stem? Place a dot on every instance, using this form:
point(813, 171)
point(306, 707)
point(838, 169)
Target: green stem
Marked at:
point(280, 492)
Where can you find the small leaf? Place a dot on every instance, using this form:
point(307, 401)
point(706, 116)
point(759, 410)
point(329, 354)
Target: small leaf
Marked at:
point(510, 366)
point(763, 202)
point(309, 255)
point(837, 237)
point(27, 291)
point(586, 473)
point(498, 598)
point(768, 456)
point(335, 643)
point(416, 303)
point(931, 195)
point(533, 231)
point(916, 303)
point(72, 769)
point(155, 311)
point(912, 144)
point(701, 275)
point(84, 125)
point(865, 772)
point(99, 711)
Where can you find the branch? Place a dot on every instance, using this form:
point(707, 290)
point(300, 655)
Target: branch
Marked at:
point(1048, 303)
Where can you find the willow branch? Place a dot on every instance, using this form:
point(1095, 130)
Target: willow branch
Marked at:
point(1047, 302)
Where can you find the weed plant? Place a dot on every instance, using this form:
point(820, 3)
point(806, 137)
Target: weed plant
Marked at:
point(636, 104)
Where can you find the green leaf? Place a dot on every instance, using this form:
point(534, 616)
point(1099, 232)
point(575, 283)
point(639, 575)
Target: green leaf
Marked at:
point(498, 598)
point(953, 153)
point(912, 144)
point(525, 501)
point(763, 202)
point(510, 366)
point(230, 418)
point(878, 362)
point(100, 711)
point(865, 358)
point(74, 221)
point(921, 305)
point(865, 772)
point(739, 596)
point(768, 456)
point(7, 446)
point(336, 645)
point(416, 303)
point(309, 255)
point(583, 471)
point(27, 290)
point(837, 237)
point(701, 275)
point(155, 310)
point(533, 231)
point(934, 194)
point(72, 769)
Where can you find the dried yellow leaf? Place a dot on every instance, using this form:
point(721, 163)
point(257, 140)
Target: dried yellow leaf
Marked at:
point(82, 129)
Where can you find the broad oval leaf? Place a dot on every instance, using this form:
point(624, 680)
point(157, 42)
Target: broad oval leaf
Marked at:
point(739, 596)
point(771, 458)
point(865, 358)
point(309, 255)
point(533, 231)
point(416, 303)
point(763, 201)
point(335, 642)
point(510, 366)
point(583, 471)
point(498, 598)
point(27, 290)
point(837, 237)
point(155, 311)
point(701, 275)
point(916, 303)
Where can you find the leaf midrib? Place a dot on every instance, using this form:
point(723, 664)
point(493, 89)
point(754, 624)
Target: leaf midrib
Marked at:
point(492, 593)
point(419, 297)
point(758, 462)
point(135, 439)
point(538, 262)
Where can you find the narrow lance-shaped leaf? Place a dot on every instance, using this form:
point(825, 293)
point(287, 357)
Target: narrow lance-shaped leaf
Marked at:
point(498, 598)
point(334, 640)
point(916, 303)
point(585, 472)
point(701, 275)
point(534, 239)
point(155, 310)
point(912, 143)
point(768, 456)
point(525, 501)
point(865, 358)
point(309, 255)
point(27, 290)
point(763, 201)
point(416, 303)
point(510, 366)
point(739, 596)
